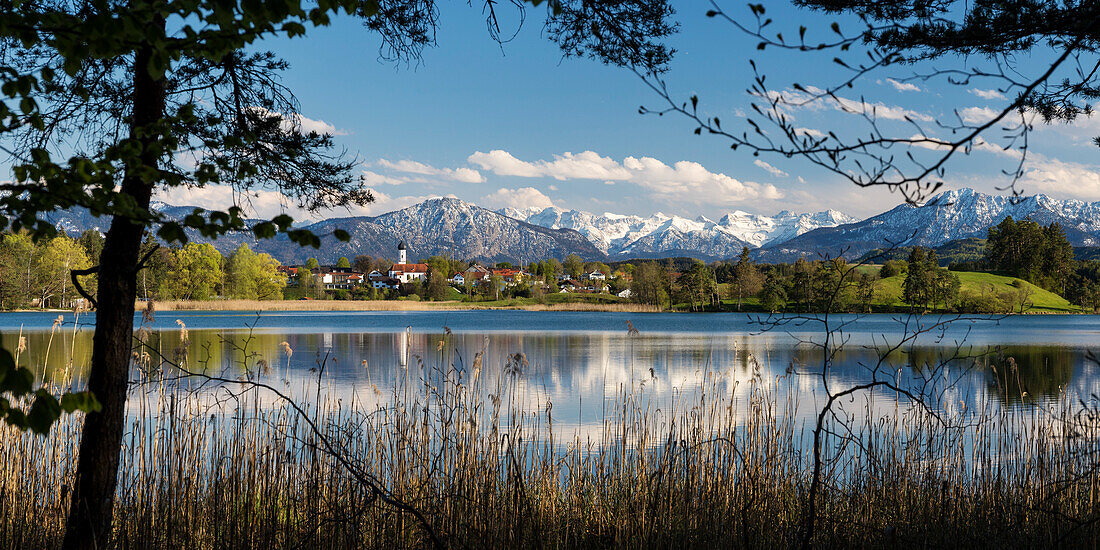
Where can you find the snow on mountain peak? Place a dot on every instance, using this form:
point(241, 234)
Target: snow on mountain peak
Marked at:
point(619, 234)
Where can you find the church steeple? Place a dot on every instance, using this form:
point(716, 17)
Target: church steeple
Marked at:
point(401, 253)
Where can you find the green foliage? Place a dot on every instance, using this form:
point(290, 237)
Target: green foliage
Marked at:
point(1037, 254)
point(24, 407)
point(343, 262)
point(195, 272)
point(652, 284)
point(252, 276)
point(892, 268)
point(573, 266)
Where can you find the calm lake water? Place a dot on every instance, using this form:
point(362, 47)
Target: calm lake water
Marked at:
point(580, 361)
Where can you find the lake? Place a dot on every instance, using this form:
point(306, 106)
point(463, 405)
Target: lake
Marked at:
point(578, 362)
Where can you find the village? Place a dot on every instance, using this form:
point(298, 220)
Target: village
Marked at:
point(458, 279)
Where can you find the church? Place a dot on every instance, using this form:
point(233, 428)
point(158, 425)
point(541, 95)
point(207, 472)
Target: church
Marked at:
point(404, 271)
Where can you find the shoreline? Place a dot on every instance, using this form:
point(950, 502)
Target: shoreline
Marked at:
point(382, 305)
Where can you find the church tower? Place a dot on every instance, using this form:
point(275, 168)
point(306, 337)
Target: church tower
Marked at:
point(402, 257)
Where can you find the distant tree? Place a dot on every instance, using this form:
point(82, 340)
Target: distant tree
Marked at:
point(252, 276)
point(17, 253)
point(343, 262)
point(195, 273)
point(746, 280)
point(312, 265)
point(437, 285)
point(917, 289)
point(91, 241)
point(53, 262)
point(553, 267)
point(363, 264)
point(573, 266)
point(153, 279)
point(865, 290)
point(892, 268)
point(651, 284)
point(773, 294)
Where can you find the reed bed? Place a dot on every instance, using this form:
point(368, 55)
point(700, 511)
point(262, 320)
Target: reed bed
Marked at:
point(231, 466)
point(381, 305)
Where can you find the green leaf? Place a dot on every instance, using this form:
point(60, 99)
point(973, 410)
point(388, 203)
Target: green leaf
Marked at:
point(80, 401)
point(43, 412)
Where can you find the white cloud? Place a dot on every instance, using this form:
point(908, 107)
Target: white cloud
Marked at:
point(302, 122)
point(321, 127)
point(978, 115)
point(464, 175)
point(1063, 178)
point(267, 203)
point(801, 132)
point(987, 94)
point(793, 99)
point(524, 197)
point(683, 180)
point(586, 165)
point(373, 178)
point(903, 86)
point(770, 169)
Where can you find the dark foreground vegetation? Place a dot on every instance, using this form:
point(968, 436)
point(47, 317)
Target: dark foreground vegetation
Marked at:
point(467, 456)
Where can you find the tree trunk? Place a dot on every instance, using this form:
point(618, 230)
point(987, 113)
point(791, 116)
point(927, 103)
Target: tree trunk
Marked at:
point(92, 506)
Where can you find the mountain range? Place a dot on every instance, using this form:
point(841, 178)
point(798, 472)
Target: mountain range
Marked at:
point(949, 216)
point(451, 227)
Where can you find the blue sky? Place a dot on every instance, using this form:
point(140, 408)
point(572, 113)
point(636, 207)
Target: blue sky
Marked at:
point(518, 125)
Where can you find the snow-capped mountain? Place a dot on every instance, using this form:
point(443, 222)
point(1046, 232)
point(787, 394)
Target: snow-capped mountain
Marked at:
point(455, 228)
point(661, 235)
point(949, 216)
point(443, 226)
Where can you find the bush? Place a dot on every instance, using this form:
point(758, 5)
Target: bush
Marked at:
point(893, 268)
point(983, 303)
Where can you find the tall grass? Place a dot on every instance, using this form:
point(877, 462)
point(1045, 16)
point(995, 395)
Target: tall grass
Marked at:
point(389, 305)
point(229, 466)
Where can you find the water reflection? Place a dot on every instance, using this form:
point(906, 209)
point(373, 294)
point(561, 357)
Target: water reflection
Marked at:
point(575, 370)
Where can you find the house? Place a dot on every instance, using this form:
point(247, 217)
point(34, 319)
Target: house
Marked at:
point(595, 276)
point(457, 279)
point(291, 274)
point(341, 280)
point(625, 294)
point(569, 285)
point(385, 283)
point(476, 273)
point(510, 276)
point(375, 275)
point(408, 272)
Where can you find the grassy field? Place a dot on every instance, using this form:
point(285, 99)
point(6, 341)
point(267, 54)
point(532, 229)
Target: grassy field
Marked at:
point(888, 291)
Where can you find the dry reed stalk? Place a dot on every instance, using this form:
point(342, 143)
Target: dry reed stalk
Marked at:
point(201, 470)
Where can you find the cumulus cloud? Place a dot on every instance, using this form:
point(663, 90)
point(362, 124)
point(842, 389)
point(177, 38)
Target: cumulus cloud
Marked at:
point(987, 94)
point(302, 122)
point(1063, 178)
point(267, 203)
point(683, 180)
point(817, 99)
point(524, 197)
point(903, 86)
point(978, 115)
point(586, 165)
point(464, 175)
point(373, 178)
point(770, 169)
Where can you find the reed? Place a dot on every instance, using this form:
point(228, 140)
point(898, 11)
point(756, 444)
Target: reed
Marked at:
point(384, 305)
point(231, 466)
